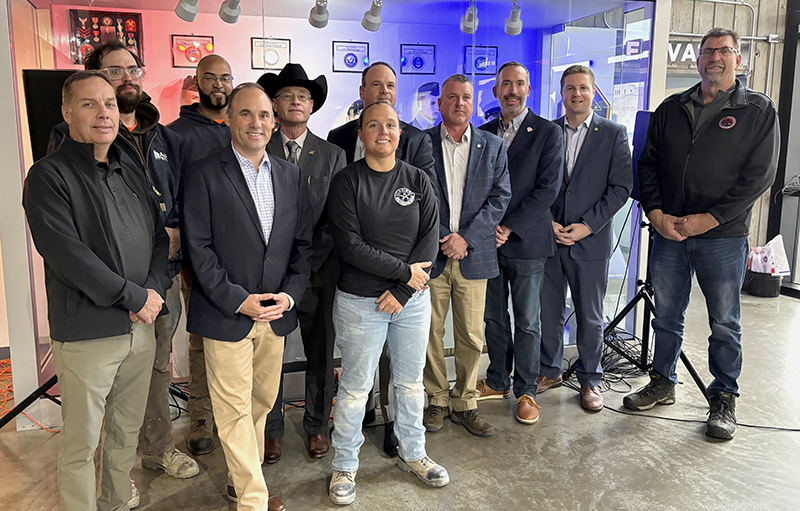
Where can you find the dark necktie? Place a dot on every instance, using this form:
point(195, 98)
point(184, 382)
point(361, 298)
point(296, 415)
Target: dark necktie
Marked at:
point(294, 151)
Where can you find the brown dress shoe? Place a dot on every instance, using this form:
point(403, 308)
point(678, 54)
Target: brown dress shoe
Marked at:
point(591, 399)
point(272, 450)
point(527, 410)
point(317, 446)
point(275, 504)
point(543, 383)
point(487, 392)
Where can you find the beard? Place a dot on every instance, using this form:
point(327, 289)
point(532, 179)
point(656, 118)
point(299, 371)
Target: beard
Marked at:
point(128, 101)
point(714, 74)
point(208, 102)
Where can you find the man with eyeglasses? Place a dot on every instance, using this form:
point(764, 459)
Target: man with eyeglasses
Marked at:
point(157, 152)
point(204, 130)
point(295, 97)
point(711, 152)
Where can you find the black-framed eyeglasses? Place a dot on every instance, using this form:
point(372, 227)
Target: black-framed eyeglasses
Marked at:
point(725, 51)
point(116, 73)
point(289, 96)
point(226, 79)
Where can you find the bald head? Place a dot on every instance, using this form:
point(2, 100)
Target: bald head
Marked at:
point(214, 85)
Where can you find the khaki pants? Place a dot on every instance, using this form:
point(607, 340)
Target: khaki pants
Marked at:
point(243, 379)
point(469, 301)
point(102, 379)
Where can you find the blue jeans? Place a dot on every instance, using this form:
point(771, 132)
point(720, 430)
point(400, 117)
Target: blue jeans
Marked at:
point(361, 332)
point(720, 266)
point(524, 276)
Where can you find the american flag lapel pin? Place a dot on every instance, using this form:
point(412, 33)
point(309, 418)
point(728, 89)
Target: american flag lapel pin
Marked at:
point(311, 152)
point(309, 180)
point(530, 129)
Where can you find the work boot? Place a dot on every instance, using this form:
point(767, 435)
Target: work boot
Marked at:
point(660, 391)
point(473, 421)
point(200, 439)
point(433, 418)
point(342, 489)
point(721, 416)
point(175, 463)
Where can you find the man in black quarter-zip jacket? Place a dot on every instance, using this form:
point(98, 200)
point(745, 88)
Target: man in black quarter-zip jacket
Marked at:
point(157, 152)
point(710, 153)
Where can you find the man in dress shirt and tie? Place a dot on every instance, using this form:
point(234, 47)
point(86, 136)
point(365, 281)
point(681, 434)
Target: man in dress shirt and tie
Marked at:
point(295, 98)
point(597, 182)
point(250, 260)
point(474, 190)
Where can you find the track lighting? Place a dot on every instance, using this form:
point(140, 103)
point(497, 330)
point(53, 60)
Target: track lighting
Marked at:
point(187, 10)
point(513, 23)
point(372, 18)
point(319, 14)
point(229, 11)
point(469, 21)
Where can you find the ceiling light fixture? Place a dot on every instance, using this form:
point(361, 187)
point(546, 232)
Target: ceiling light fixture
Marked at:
point(229, 11)
point(372, 18)
point(318, 17)
point(187, 10)
point(469, 21)
point(513, 23)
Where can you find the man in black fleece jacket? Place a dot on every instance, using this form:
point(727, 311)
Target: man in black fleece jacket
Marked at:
point(710, 153)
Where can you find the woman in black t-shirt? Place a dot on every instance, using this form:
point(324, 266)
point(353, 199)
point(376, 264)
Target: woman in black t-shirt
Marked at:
point(384, 220)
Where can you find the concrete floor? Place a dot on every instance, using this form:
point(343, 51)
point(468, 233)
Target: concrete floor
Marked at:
point(570, 460)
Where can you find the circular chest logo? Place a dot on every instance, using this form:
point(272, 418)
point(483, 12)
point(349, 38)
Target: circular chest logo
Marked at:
point(481, 63)
point(418, 62)
point(727, 123)
point(404, 197)
point(350, 60)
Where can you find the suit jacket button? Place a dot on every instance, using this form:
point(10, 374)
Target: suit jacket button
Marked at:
point(259, 286)
point(266, 257)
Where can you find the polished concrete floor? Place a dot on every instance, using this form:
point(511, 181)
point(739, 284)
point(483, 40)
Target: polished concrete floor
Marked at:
point(570, 460)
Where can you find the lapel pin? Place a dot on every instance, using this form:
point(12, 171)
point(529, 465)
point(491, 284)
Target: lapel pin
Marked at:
point(479, 146)
point(530, 129)
point(312, 152)
point(596, 128)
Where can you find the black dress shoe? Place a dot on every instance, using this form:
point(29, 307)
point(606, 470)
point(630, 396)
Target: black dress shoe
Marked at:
point(390, 444)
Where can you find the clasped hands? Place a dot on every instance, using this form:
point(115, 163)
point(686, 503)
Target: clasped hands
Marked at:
point(388, 303)
point(679, 228)
point(150, 310)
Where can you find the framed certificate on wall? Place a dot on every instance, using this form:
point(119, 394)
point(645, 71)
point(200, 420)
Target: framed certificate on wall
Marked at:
point(187, 50)
point(350, 57)
point(481, 60)
point(417, 59)
point(269, 53)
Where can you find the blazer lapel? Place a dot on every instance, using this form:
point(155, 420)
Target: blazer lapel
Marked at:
point(309, 150)
point(234, 172)
point(476, 147)
point(588, 146)
point(279, 187)
point(275, 145)
point(438, 161)
point(560, 122)
point(526, 129)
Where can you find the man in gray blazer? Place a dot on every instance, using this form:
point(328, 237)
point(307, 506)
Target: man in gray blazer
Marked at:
point(597, 182)
point(474, 190)
point(295, 98)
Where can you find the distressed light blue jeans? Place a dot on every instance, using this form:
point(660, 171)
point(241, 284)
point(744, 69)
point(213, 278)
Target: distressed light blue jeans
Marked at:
point(361, 332)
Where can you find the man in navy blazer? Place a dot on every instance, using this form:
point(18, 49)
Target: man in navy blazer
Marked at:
point(379, 85)
point(525, 240)
point(597, 182)
point(474, 190)
point(247, 230)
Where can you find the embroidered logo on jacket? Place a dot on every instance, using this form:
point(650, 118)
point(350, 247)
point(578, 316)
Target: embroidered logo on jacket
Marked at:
point(404, 196)
point(727, 123)
point(160, 156)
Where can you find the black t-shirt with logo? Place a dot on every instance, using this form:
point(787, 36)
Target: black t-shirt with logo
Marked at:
point(381, 223)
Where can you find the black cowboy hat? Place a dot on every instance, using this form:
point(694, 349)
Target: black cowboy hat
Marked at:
point(293, 75)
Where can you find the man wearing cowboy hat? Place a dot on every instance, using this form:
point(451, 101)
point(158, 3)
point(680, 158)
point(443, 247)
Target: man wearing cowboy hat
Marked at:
point(295, 98)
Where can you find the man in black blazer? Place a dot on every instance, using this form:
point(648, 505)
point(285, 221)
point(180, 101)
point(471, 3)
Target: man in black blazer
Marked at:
point(474, 190)
point(597, 182)
point(295, 98)
point(379, 84)
point(247, 228)
point(525, 241)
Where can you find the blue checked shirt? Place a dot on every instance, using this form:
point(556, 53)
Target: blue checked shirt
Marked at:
point(259, 182)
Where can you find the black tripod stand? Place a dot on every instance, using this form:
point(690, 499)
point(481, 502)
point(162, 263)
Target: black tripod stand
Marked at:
point(644, 295)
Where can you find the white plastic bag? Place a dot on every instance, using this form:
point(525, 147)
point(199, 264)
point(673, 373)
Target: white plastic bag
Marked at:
point(770, 258)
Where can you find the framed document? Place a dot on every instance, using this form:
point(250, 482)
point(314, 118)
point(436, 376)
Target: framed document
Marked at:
point(187, 50)
point(481, 60)
point(417, 59)
point(269, 53)
point(350, 57)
